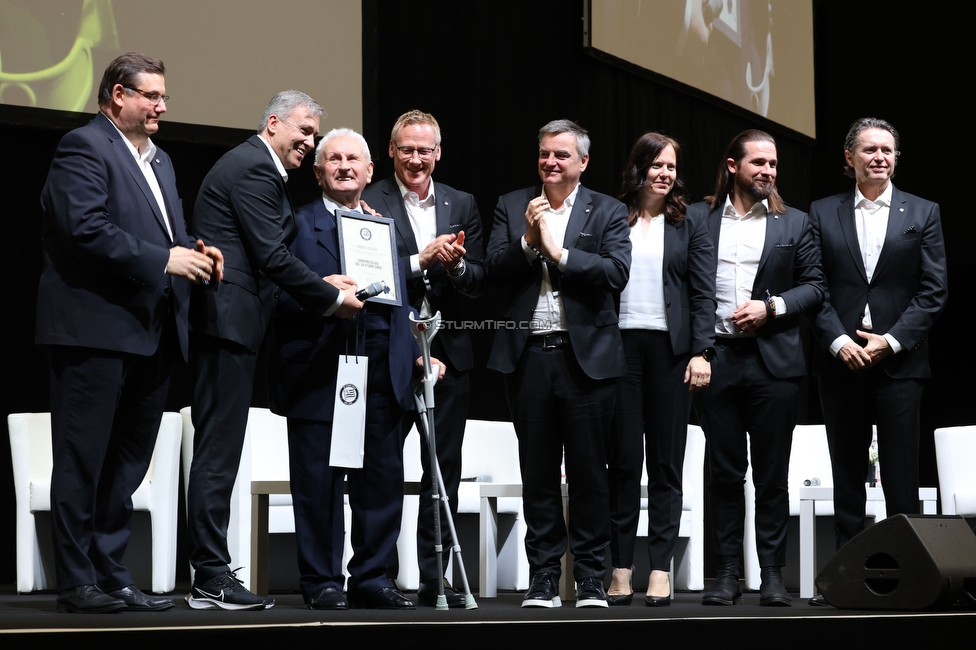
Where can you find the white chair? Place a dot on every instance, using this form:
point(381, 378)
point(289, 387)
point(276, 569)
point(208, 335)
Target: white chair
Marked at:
point(264, 457)
point(408, 576)
point(489, 454)
point(689, 562)
point(158, 494)
point(809, 459)
point(955, 453)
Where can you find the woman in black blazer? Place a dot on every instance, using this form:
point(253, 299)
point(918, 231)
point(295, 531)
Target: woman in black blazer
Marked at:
point(667, 320)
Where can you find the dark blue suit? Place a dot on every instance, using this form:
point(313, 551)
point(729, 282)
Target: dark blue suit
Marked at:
point(755, 388)
point(562, 396)
point(906, 293)
point(455, 211)
point(303, 387)
point(114, 321)
point(243, 209)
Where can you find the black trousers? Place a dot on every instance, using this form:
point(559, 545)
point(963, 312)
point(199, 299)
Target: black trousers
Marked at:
point(105, 414)
point(223, 375)
point(555, 405)
point(851, 403)
point(743, 397)
point(650, 422)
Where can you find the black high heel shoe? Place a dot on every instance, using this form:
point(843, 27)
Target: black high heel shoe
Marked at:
point(659, 601)
point(623, 599)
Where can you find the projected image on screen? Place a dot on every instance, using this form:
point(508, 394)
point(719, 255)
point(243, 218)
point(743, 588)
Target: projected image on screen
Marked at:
point(756, 54)
point(46, 51)
point(224, 58)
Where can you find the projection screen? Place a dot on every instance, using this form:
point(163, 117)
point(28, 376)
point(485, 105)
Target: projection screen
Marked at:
point(755, 54)
point(224, 59)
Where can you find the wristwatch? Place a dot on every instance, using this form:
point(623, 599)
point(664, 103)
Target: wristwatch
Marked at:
point(708, 354)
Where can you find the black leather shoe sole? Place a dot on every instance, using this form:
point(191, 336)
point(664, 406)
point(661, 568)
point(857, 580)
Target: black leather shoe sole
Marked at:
point(657, 601)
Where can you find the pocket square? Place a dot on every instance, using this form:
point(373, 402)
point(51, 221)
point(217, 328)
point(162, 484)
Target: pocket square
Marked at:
point(911, 229)
point(586, 234)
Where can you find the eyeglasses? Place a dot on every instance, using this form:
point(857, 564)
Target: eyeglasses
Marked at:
point(154, 98)
point(425, 153)
point(307, 131)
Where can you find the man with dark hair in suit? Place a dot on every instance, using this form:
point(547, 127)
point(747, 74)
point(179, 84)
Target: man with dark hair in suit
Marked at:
point(559, 255)
point(440, 244)
point(884, 262)
point(304, 370)
point(768, 273)
point(244, 205)
point(112, 310)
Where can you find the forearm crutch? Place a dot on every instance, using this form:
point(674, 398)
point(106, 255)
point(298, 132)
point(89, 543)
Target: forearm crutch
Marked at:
point(424, 330)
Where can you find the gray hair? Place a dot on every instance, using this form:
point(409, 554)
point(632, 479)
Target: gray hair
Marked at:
point(341, 132)
point(285, 103)
point(568, 126)
point(850, 142)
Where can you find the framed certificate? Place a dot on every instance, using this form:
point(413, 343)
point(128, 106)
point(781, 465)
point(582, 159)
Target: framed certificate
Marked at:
point(368, 253)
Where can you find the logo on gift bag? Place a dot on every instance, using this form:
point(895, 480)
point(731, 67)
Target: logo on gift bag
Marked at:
point(348, 394)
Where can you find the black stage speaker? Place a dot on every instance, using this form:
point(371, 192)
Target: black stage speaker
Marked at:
point(905, 562)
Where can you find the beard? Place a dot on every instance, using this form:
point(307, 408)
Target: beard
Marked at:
point(754, 187)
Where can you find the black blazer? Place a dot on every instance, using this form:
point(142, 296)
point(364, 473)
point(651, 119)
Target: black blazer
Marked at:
point(909, 287)
point(689, 284)
point(103, 284)
point(303, 370)
point(456, 211)
point(598, 239)
point(789, 267)
point(243, 209)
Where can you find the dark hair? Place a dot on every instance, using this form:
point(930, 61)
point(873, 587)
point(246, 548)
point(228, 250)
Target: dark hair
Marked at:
point(736, 150)
point(644, 152)
point(124, 70)
point(850, 142)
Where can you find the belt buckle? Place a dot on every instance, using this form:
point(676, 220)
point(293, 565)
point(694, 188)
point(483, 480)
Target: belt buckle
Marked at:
point(546, 345)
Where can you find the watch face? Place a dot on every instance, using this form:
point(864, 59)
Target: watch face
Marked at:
point(708, 353)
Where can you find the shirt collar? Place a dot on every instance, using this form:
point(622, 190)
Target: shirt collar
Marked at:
point(274, 157)
point(568, 203)
point(758, 209)
point(408, 194)
point(884, 199)
point(332, 206)
point(146, 155)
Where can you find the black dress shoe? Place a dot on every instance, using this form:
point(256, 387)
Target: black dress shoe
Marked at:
point(88, 599)
point(657, 601)
point(136, 601)
point(773, 592)
point(818, 601)
point(385, 598)
point(327, 598)
point(726, 589)
point(427, 594)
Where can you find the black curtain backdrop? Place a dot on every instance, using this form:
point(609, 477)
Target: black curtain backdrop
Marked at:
point(492, 72)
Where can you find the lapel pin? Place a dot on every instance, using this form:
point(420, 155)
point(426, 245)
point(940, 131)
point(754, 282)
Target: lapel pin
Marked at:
point(901, 209)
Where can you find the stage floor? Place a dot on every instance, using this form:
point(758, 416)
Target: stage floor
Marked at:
point(33, 621)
